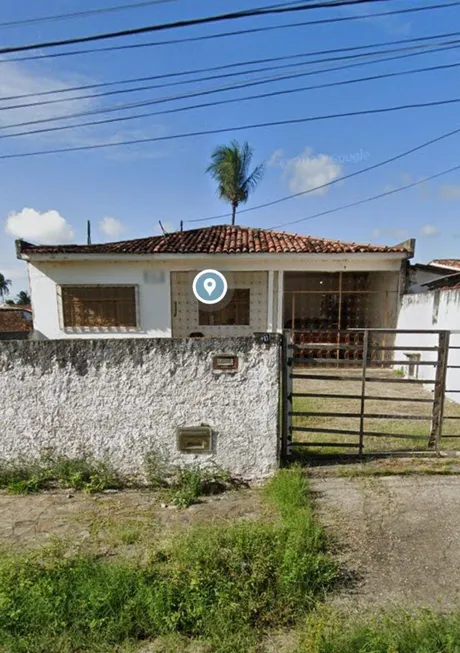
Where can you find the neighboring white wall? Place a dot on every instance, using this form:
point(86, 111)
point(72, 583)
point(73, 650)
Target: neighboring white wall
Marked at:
point(436, 310)
point(152, 281)
point(120, 400)
point(420, 276)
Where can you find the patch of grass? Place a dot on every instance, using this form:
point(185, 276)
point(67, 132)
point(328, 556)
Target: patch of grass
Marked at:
point(425, 632)
point(85, 473)
point(222, 584)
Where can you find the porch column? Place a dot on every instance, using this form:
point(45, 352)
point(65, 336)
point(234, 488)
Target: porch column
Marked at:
point(270, 299)
point(279, 317)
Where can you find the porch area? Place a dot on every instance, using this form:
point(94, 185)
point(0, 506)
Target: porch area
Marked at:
point(316, 306)
point(321, 309)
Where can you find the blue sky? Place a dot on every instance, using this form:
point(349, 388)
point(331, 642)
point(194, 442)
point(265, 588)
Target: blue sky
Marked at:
point(125, 191)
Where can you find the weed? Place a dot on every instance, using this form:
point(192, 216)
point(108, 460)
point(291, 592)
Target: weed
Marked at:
point(425, 632)
point(157, 470)
point(22, 477)
point(224, 585)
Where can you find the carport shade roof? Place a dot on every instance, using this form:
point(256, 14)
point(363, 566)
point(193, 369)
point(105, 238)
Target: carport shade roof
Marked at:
point(220, 239)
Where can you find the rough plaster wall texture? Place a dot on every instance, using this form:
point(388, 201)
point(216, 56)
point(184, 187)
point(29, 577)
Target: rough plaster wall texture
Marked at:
point(120, 400)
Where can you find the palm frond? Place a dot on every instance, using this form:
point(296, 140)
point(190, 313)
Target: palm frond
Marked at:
point(230, 165)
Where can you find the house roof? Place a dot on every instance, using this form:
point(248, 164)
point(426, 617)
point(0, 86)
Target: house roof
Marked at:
point(453, 263)
point(13, 319)
point(219, 239)
point(432, 267)
point(448, 282)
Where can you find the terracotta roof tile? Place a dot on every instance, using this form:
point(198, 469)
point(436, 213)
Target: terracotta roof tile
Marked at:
point(13, 320)
point(221, 239)
point(447, 262)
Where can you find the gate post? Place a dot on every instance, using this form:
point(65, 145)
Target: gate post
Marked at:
point(439, 392)
point(286, 397)
point(363, 391)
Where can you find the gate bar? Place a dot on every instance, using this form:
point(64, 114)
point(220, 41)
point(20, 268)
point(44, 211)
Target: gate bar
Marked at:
point(326, 444)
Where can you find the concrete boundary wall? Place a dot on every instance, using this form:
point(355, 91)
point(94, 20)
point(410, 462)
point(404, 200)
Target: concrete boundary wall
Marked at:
point(435, 310)
point(120, 400)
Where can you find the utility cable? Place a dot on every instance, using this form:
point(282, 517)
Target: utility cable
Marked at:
point(370, 199)
point(420, 49)
point(222, 130)
point(338, 180)
point(106, 121)
point(254, 30)
point(205, 20)
point(83, 14)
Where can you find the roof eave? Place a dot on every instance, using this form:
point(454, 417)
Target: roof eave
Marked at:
point(32, 256)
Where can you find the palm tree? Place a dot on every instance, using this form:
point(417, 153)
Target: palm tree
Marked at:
point(4, 287)
point(230, 168)
point(23, 298)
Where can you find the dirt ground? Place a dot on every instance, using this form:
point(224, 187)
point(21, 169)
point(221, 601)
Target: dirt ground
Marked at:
point(115, 523)
point(396, 537)
point(417, 429)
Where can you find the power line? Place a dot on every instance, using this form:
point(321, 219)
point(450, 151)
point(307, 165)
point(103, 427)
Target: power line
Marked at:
point(222, 130)
point(226, 66)
point(220, 102)
point(82, 14)
point(253, 30)
point(370, 199)
point(206, 20)
point(338, 180)
point(377, 53)
point(237, 86)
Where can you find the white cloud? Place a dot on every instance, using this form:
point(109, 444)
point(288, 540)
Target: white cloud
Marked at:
point(449, 192)
point(17, 79)
point(275, 158)
point(429, 230)
point(111, 227)
point(48, 227)
point(308, 171)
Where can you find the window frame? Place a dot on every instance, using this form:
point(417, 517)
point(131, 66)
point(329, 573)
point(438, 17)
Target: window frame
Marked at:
point(97, 329)
point(223, 325)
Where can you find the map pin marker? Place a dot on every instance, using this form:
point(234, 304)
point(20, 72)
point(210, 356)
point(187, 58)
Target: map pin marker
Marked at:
point(209, 286)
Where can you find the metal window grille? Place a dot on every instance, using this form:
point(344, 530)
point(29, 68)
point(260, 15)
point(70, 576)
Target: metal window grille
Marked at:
point(99, 306)
point(236, 311)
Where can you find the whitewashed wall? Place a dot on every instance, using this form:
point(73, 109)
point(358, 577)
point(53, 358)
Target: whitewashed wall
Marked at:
point(436, 310)
point(153, 297)
point(121, 399)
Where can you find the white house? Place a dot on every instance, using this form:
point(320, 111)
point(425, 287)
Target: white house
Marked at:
point(143, 287)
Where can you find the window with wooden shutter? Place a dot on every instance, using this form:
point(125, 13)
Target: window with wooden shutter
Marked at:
point(99, 306)
point(236, 311)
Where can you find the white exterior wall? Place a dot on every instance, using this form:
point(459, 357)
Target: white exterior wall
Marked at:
point(154, 295)
point(121, 400)
point(436, 310)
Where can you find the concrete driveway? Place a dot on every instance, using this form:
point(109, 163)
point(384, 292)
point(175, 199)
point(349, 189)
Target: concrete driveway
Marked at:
point(398, 537)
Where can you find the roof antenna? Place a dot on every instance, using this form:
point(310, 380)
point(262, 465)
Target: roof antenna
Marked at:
point(182, 225)
point(88, 232)
point(165, 233)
